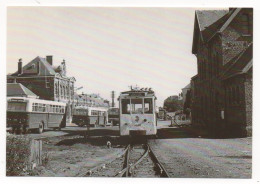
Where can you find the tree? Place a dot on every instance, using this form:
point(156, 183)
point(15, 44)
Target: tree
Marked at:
point(172, 104)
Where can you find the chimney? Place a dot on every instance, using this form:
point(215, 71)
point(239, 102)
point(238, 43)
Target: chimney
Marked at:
point(20, 66)
point(49, 59)
point(231, 9)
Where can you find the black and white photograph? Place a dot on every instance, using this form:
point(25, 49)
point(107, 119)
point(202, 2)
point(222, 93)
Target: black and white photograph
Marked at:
point(129, 92)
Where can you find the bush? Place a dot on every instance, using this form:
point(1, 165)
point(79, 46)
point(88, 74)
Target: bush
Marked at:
point(17, 155)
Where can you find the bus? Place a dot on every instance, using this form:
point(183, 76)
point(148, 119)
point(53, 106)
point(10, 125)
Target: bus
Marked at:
point(137, 113)
point(31, 113)
point(162, 114)
point(113, 116)
point(92, 116)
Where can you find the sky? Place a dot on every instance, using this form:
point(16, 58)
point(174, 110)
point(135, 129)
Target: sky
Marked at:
point(108, 48)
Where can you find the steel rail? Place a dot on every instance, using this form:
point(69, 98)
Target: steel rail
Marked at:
point(162, 169)
point(128, 169)
point(139, 160)
point(90, 171)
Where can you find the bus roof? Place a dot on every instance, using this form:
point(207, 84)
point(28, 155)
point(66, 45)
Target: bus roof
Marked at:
point(34, 100)
point(92, 108)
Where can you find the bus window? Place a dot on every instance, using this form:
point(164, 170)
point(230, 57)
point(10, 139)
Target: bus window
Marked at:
point(44, 108)
point(148, 105)
point(94, 113)
point(40, 107)
point(35, 107)
point(16, 106)
point(57, 109)
point(125, 106)
point(137, 106)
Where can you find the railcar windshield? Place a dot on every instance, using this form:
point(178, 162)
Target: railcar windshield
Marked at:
point(125, 106)
point(17, 106)
point(137, 106)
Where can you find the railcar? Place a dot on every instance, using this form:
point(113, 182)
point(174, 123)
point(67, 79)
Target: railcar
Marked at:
point(137, 113)
point(30, 113)
point(92, 116)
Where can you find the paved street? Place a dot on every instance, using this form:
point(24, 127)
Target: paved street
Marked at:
point(206, 158)
point(183, 155)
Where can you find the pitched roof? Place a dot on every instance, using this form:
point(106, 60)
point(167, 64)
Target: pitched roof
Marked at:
point(242, 64)
point(17, 89)
point(208, 17)
point(45, 67)
point(187, 87)
point(229, 20)
point(207, 23)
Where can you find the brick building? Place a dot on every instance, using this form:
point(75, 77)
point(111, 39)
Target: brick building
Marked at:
point(222, 89)
point(46, 81)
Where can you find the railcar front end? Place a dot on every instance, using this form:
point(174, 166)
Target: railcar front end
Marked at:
point(137, 113)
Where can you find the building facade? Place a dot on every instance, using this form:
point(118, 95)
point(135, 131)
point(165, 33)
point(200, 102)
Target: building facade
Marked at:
point(222, 43)
point(91, 100)
point(46, 81)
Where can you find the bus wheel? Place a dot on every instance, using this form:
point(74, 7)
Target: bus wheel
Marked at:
point(13, 130)
point(81, 124)
point(25, 129)
point(59, 128)
point(41, 128)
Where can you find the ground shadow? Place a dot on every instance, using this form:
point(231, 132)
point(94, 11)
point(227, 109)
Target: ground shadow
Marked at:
point(96, 141)
point(172, 133)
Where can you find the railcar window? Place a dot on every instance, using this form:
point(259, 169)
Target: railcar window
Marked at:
point(125, 106)
point(16, 106)
point(137, 106)
point(148, 105)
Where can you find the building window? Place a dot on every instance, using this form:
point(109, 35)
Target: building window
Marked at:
point(230, 96)
point(245, 23)
point(61, 91)
point(47, 83)
point(56, 90)
point(233, 95)
point(237, 94)
point(226, 96)
point(67, 91)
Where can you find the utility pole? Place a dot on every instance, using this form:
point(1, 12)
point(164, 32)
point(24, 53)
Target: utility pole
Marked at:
point(113, 98)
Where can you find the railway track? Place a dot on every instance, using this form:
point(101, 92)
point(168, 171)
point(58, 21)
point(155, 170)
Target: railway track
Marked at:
point(137, 160)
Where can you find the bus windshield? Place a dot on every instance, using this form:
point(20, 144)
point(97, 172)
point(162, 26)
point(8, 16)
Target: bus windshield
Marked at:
point(80, 112)
point(16, 106)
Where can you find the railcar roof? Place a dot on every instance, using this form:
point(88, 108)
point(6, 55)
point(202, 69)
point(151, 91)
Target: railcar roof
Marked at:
point(137, 93)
